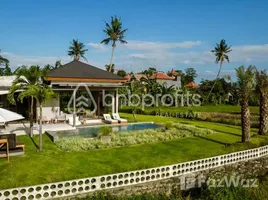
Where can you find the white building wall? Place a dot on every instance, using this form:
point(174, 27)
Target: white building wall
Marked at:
point(51, 109)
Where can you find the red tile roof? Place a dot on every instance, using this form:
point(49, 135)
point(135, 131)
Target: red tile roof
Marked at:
point(161, 75)
point(192, 84)
point(128, 77)
point(173, 73)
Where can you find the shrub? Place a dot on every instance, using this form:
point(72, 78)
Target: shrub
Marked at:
point(130, 138)
point(105, 131)
point(168, 125)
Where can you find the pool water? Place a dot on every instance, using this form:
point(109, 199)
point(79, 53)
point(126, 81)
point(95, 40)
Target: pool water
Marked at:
point(91, 132)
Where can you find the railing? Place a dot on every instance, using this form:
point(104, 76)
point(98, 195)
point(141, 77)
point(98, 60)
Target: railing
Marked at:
point(86, 185)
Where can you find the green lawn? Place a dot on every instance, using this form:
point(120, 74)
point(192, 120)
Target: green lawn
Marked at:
point(55, 165)
point(207, 108)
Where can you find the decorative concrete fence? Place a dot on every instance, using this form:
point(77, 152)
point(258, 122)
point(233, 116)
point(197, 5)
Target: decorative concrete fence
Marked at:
point(86, 185)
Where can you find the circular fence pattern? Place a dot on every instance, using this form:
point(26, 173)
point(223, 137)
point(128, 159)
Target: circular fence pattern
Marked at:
point(86, 185)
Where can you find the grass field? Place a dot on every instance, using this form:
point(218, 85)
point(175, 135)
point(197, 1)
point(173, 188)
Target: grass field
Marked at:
point(208, 108)
point(53, 164)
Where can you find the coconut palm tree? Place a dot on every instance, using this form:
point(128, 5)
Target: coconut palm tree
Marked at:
point(110, 68)
point(26, 78)
point(42, 94)
point(115, 33)
point(245, 82)
point(3, 60)
point(221, 53)
point(262, 88)
point(77, 50)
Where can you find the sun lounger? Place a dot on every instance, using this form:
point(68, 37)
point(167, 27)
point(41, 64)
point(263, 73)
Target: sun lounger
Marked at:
point(61, 118)
point(108, 119)
point(9, 146)
point(119, 119)
point(71, 121)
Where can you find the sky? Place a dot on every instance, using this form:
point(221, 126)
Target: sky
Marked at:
point(167, 35)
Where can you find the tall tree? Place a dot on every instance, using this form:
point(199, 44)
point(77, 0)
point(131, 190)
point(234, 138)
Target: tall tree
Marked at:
point(190, 75)
point(3, 60)
point(221, 53)
point(49, 67)
point(262, 88)
point(110, 68)
point(77, 50)
point(115, 33)
point(25, 80)
point(150, 71)
point(121, 72)
point(42, 94)
point(245, 81)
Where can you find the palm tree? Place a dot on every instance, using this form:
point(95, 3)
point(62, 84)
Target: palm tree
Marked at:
point(3, 60)
point(49, 67)
point(245, 81)
point(110, 68)
point(115, 33)
point(220, 52)
point(262, 88)
point(26, 78)
point(77, 50)
point(42, 94)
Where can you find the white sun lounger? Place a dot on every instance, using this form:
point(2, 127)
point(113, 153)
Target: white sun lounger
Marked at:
point(108, 119)
point(71, 121)
point(119, 119)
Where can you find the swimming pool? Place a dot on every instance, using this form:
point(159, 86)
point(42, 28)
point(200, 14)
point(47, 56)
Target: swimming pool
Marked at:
point(92, 131)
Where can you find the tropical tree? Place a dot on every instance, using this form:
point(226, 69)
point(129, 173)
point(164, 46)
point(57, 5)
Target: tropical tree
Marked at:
point(165, 90)
point(262, 88)
point(115, 33)
point(110, 68)
point(121, 72)
point(134, 91)
point(221, 53)
point(49, 67)
point(245, 82)
point(42, 94)
point(149, 72)
point(6, 71)
point(3, 60)
point(77, 50)
point(25, 80)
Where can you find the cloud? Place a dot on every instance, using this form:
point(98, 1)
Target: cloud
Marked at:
point(18, 60)
point(154, 46)
point(148, 46)
point(98, 46)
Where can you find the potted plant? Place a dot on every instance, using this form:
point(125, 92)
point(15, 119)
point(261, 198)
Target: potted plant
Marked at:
point(105, 134)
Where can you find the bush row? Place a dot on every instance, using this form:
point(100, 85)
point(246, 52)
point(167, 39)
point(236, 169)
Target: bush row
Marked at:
point(133, 137)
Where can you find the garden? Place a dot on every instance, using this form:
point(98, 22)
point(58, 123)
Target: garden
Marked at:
point(55, 163)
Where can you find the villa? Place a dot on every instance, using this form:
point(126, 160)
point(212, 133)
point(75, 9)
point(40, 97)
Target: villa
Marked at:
point(72, 76)
point(170, 79)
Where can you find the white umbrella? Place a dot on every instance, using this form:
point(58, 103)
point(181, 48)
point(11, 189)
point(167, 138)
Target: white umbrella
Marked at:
point(7, 116)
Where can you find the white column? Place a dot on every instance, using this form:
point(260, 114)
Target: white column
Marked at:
point(113, 104)
point(116, 100)
point(74, 107)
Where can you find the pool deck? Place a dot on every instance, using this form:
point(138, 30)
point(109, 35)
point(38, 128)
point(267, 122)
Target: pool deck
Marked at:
point(23, 129)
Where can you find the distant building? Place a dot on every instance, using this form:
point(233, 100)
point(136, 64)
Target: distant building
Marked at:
point(192, 85)
point(160, 77)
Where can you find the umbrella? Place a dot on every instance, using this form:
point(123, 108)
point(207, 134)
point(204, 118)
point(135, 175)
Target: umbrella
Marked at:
point(7, 116)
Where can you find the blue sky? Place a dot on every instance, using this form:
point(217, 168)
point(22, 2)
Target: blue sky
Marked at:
point(177, 34)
